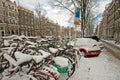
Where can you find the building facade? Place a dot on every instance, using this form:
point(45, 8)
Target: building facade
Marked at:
point(26, 21)
point(109, 27)
point(8, 18)
point(117, 20)
point(18, 20)
point(36, 26)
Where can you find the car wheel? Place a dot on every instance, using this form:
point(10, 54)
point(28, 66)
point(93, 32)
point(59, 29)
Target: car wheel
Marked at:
point(97, 55)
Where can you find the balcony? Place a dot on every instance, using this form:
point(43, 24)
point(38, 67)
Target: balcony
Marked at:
point(117, 4)
point(117, 15)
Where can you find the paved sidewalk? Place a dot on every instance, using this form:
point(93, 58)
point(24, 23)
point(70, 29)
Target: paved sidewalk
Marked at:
point(112, 47)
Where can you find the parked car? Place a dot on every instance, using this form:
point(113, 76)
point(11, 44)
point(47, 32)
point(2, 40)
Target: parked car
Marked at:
point(88, 46)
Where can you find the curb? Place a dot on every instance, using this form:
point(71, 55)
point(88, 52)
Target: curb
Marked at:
point(114, 49)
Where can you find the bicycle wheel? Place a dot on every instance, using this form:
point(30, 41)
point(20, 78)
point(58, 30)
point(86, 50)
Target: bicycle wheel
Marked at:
point(39, 77)
point(71, 68)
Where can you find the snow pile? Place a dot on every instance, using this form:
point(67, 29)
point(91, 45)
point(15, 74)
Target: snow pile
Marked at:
point(31, 46)
point(19, 76)
point(60, 48)
point(21, 58)
point(53, 50)
point(31, 43)
point(104, 67)
point(10, 59)
point(15, 37)
point(39, 41)
point(38, 58)
point(6, 43)
point(6, 49)
point(61, 61)
point(44, 53)
point(71, 43)
point(87, 43)
point(23, 37)
point(114, 43)
point(13, 44)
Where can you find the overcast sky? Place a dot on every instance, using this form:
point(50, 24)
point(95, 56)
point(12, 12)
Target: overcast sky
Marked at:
point(57, 15)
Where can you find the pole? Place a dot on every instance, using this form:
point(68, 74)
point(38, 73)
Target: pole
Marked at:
point(75, 35)
point(69, 33)
point(76, 47)
point(75, 31)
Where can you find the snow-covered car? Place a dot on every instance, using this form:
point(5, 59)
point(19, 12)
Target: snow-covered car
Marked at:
point(88, 46)
point(101, 45)
point(72, 42)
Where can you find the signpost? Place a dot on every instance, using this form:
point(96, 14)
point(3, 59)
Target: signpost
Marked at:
point(76, 22)
point(77, 18)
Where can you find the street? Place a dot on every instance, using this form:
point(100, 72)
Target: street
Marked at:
point(103, 67)
point(43, 39)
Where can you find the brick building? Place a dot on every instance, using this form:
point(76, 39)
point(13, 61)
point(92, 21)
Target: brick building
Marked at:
point(36, 26)
point(8, 18)
point(26, 21)
point(117, 20)
point(109, 27)
point(18, 20)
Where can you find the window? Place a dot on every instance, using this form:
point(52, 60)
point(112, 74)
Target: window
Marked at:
point(4, 12)
point(0, 12)
point(9, 13)
point(4, 19)
point(0, 21)
point(13, 21)
point(12, 7)
point(1, 28)
point(9, 6)
point(3, 3)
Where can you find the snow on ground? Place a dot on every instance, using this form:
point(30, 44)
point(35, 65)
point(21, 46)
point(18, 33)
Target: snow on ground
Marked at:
point(113, 42)
point(103, 67)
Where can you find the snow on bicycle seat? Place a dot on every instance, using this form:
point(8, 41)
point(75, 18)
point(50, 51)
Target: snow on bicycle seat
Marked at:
point(44, 53)
point(53, 50)
point(61, 49)
point(22, 58)
point(61, 61)
point(37, 58)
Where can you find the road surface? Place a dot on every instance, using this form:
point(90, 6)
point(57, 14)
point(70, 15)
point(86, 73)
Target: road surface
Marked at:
point(103, 67)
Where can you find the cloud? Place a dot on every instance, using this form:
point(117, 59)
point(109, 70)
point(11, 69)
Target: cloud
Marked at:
point(101, 7)
point(57, 15)
point(61, 17)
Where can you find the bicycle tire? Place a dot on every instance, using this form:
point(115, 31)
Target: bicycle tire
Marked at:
point(70, 73)
point(38, 77)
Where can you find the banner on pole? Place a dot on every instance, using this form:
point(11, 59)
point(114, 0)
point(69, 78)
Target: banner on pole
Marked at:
point(77, 12)
point(76, 21)
point(77, 16)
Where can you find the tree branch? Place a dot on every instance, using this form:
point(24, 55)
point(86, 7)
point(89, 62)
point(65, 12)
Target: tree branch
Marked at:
point(64, 6)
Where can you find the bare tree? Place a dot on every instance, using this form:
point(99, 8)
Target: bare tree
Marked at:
point(38, 13)
point(86, 7)
point(90, 17)
point(87, 16)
